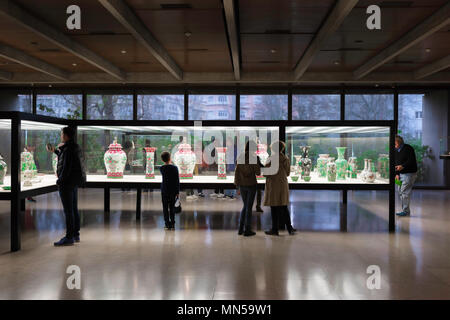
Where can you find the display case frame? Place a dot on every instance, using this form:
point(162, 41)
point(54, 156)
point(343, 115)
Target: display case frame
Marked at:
point(17, 197)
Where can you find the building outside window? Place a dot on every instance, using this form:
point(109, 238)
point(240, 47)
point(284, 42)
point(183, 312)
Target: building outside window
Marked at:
point(212, 107)
point(369, 106)
point(160, 107)
point(264, 107)
point(316, 106)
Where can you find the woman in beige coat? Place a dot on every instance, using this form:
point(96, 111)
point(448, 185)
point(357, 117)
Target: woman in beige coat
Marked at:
point(276, 195)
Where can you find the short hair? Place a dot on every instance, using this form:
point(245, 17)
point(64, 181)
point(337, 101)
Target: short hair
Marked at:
point(399, 139)
point(69, 132)
point(165, 156)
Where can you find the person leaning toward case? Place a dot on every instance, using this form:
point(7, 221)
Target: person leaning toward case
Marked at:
point(248, 167)
point(405, 171)
point(170, 189)
point(71, 175)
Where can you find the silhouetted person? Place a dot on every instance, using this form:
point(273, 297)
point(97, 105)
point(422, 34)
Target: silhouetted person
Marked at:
point(170, 189)
point(406, 172)
point(71, 175)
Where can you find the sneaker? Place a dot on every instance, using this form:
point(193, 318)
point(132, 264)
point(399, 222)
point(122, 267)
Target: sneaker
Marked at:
point(64, 242)
point(241, 232)
point(259, 209)
point(271, 233)
point(402, 214)
point(190, 198)
point(213, 195)
point(201, 195)
point(220, 195)
point(76, 238)
point(167, 227)
point(194, 197)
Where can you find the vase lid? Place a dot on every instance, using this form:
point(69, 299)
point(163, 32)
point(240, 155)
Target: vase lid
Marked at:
point(115, 146)
point(184, 147)
point(150, 149)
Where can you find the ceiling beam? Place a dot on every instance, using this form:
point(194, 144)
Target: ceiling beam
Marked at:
point(5, 75)
point(148, 78)
point(22, 58)
point(339, 12)
point(431, 68)
point(432, 24)
point(231, 20)
point(123, 13)
point(19, 15)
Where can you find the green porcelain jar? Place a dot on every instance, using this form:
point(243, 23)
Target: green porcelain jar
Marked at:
point(322, 165)
point(331, 170)
point(3, 169)
point(341, 163)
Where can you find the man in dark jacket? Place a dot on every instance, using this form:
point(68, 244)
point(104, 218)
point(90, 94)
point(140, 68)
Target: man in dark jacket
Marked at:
point(406, 172)
point(71, 175)
point(170, 189)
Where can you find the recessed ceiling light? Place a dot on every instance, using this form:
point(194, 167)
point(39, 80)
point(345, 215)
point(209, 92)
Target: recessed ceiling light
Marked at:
point(427, 50)
point(188, 34)
point(377, 85)
point(273, 51)
point(49, 85)
point(74, 64)
point(337, 62)
point(123, 51)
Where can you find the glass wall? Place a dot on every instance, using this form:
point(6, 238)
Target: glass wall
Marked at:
point(160, 107)
point(264, 107)
point(16, 100)
point(316, 106)
point(212, 107)
point(68, 106)
point(369, 106)
point(109, 107)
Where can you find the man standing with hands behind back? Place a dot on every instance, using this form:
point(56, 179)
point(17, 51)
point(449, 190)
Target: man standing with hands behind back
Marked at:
point(405, 171)
point(71, 175)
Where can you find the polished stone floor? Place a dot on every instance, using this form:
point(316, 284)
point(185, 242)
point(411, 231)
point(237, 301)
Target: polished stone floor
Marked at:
point(120, 258)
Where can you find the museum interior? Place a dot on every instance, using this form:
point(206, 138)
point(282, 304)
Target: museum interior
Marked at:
point(335, 80)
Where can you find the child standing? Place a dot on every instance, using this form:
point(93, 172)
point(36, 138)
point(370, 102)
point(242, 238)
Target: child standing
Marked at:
point(170, 189)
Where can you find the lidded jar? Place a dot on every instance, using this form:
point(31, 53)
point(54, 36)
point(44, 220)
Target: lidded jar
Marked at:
point(115, 160)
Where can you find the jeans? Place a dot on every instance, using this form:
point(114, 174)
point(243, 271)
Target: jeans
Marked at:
point(405, 190)
point(69, 199)
point(168, 202)
point(248, 196)
point(230, 193)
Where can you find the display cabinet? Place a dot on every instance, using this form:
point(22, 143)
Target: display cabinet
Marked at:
point(26, 167)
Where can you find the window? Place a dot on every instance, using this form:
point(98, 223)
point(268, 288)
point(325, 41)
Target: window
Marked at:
point(264, 107)
point(109, 107)
point(160, 107)
point(316, 106)
point(212, 107)
point(12, 100)
point(68, 106)
point(369, 107)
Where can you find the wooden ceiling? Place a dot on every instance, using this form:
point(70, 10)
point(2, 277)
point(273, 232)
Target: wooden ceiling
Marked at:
point(193, 37)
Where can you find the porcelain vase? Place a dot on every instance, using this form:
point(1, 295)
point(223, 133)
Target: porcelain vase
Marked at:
point(115, 160)
point(54, 162)
point(306, 163)
point(322, 165)
point(27, 163)
point(261, 152)
point(331, 170)
point(368, 174)
point(383, 165)
point(352, 168)
point(184, 159)
point(341, 163)
point(221, 163)
point(150, 162)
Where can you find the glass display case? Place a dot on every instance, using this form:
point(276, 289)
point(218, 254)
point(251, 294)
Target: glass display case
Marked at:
point(37, 165)
point(203, 154)
point(5, 155)
point(339, 154)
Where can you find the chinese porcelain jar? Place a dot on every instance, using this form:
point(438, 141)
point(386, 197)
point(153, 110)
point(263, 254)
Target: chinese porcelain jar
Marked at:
point(322, 165)
point(341, 163)
point(184, 159)
point(3, 169)
point(306, 163)
point(261, 152)
point(352, 167)
point(150, 162)
point(383, 166)
point(54, 162)
point(221, 163)
point(115, 160)
point(331, 170)
point(27, 163)
point(368, 174)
